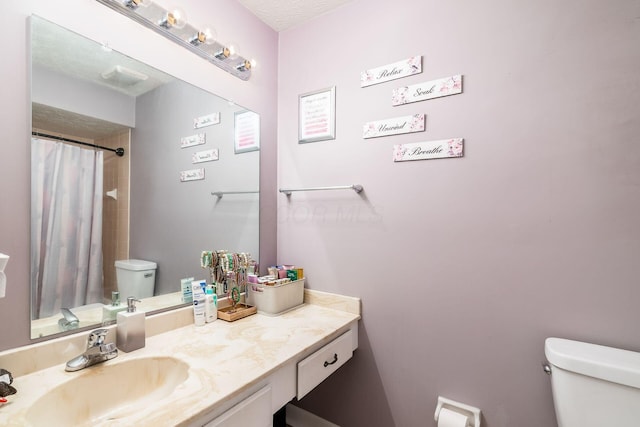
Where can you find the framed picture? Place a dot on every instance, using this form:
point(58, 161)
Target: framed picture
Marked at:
point(317, 115)
point(246, 136)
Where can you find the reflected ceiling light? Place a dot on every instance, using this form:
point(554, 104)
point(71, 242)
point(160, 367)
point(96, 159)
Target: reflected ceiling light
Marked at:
point(175, 18)
point(173, 25)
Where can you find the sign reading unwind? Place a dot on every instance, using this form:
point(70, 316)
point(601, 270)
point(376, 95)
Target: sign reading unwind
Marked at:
point(395, 126)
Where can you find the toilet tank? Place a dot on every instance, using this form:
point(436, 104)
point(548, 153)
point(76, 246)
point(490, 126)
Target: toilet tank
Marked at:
point(593, 385)
point(135, 278)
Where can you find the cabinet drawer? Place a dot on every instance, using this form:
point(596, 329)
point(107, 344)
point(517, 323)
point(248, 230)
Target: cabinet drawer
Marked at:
point(253, 411)
point(318, 366)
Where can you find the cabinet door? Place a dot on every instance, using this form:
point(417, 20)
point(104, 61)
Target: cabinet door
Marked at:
point(254, 411)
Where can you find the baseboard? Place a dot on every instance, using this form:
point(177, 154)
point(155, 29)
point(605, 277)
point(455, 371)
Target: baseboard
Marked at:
point(298, 417)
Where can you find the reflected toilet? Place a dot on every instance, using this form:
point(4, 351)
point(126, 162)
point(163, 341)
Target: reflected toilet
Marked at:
point(136, 278)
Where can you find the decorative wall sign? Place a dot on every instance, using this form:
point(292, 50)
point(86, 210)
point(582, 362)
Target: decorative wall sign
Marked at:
point(393, 71)
point(191, 175)
point(396, 126)
point(317, 115)
point(441, 149)
point(190, 141)
point(246, 131)
point(205, 156)
point(428, 90)
point(208, 120)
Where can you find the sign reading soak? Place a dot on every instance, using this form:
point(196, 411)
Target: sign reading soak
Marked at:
point(396, 126)
point(441, 149)
point(393, 71)
point(428, 90)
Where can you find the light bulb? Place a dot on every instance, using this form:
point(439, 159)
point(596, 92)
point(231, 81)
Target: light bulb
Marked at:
point(233, 50)
point(246, 65)
point(134, 4)
point(175, 18)
point(206, 36)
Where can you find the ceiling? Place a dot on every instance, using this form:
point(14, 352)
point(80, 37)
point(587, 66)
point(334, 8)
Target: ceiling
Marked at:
point(284, 14)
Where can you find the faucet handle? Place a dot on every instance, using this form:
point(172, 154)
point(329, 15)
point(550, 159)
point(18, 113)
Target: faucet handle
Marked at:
point(96, 337)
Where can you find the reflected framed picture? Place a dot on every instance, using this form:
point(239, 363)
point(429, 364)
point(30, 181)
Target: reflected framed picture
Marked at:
point(246, 136)
point(317, 115)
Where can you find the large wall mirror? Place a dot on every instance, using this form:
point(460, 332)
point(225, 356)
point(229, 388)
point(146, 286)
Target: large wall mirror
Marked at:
point(92, 208)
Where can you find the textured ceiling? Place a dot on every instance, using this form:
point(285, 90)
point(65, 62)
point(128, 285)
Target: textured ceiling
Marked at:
point(283, 14)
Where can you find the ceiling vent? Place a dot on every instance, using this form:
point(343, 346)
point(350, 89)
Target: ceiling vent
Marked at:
point(123, 76)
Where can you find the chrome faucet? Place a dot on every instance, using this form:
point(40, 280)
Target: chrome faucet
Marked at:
point(69, 320)
point(97, 352)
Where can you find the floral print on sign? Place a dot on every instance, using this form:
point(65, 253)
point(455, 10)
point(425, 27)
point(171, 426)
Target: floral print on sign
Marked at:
point(397, 70)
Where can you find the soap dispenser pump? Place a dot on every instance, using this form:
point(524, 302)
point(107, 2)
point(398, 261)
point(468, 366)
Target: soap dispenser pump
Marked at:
point(130, 331)
point(109, 312)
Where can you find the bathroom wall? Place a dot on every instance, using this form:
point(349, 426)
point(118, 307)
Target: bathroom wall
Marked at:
point(96, 21)
point(465, 265)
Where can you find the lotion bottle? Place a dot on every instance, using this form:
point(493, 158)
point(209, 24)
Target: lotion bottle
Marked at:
point(130, 331)
point(199, 303)
point(211, 304)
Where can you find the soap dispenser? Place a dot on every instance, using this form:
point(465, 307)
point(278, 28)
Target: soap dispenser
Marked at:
point(130, 332)
point(110, 311)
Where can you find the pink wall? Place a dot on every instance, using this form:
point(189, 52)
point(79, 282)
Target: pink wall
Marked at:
point(98, 22)
point(464, 266)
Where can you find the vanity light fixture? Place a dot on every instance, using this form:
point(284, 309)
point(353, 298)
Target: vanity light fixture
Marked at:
point(173, 25)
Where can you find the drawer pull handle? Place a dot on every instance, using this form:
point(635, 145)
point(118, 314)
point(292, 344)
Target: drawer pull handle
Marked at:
point(335, 359)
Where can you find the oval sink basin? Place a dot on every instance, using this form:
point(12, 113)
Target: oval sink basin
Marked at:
point(108, 391)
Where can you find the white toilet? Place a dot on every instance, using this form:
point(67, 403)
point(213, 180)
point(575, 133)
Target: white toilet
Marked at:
point(135, 278)
point(593, 385)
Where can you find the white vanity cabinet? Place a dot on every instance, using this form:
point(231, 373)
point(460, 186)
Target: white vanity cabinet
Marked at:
point(256, 406)
point(253, 411)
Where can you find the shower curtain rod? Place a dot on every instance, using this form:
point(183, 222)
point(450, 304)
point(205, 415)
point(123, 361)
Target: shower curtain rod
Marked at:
point(119, 151)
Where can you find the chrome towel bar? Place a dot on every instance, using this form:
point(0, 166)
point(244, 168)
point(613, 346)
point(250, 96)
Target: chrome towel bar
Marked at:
point(355, 187)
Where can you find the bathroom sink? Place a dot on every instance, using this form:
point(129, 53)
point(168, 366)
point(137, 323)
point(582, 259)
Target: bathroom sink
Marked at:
point(109, 391)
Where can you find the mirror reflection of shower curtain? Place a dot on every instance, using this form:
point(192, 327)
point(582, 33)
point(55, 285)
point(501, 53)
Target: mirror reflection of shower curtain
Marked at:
point(66, 227)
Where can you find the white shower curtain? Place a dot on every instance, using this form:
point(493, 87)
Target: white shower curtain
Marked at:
point(66, 227)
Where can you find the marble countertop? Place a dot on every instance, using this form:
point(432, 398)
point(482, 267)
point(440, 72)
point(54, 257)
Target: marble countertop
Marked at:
point(224, 359)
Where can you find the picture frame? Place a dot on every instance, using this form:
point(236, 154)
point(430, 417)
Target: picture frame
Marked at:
point(246, 131)
point(317, 115)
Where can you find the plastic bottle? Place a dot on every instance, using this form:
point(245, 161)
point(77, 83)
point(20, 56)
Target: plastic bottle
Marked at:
point(199, 303)
point(211, 305)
